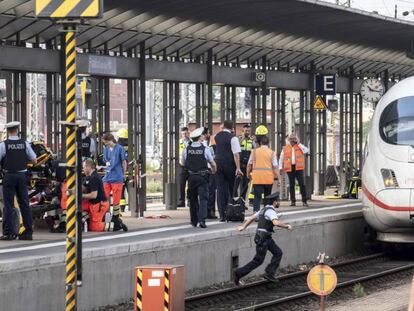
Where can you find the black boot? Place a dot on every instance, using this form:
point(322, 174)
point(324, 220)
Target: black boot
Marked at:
point(119, 224)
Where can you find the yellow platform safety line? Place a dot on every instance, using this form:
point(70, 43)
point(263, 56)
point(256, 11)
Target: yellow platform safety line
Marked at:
point(139, 290)
point(166, 290)
point(70, 63)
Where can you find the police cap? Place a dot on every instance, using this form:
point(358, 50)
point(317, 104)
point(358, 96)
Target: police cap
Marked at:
point(197, 132)
point(271, 198)
point(12, 125)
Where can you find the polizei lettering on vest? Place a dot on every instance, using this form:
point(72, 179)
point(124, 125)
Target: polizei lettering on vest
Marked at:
point(195, 151)
point(16, 146)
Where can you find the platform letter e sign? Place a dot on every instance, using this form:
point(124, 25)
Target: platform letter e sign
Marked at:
point(329, 84)
point(325, 84)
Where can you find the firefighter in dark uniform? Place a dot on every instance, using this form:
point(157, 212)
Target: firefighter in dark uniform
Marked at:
point(195, 158)
point(15, 154)
point(247, 145)
point(268, 218)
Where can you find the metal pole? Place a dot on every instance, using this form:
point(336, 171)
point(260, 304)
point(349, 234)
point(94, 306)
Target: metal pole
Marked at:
point(361, 126)
point(283, 118)
point(70, 69)
point(273, 119)
point(210, 90)
point(78, 207)
point(16, 100)
point(100, 113)
point(351, 120)
point(324, 150)
point(198, 104)
point(94, 103)
point(9, 94)
point(23, 105)
point(142, 103)
point(301, 116)
point(279, 140)
point(312, 144)
point(107, 111)
point(165, 130)
point(253, 108)
point(56, 108)
point(341, 141)
point(131, 154)
point(322, 303)
point(233, 108)
point(49, 109)
point(229, 111)
point(62, 131)
point(223, 106)
point(264, 95)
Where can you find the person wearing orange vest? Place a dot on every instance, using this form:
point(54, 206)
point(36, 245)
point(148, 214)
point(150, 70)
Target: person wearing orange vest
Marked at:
point(263, 171)
point(292, 161)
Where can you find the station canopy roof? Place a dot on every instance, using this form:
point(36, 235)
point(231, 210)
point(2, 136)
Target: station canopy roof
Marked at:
point(294, 32)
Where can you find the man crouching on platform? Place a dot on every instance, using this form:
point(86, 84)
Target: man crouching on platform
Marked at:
point(268, 218)
point(94, 200)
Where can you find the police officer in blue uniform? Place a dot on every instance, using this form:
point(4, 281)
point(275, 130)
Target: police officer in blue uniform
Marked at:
point(15, 154)
point(195, 158)
point(268, 218)
point(228, 165)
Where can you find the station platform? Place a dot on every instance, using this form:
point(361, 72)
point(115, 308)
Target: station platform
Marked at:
point(157, 216)
point(34, 270)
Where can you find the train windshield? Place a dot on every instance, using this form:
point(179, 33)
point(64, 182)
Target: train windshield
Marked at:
point(397, 122)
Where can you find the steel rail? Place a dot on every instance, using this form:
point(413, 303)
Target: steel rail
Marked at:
point(339, 285)
point(225, 291)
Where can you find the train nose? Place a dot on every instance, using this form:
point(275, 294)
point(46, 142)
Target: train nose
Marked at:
point(394, 207)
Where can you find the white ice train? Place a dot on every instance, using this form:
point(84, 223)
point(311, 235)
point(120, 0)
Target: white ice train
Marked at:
point(388, 169)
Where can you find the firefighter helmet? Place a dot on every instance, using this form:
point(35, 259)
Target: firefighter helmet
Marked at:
point(122, 133)
point(261, 130)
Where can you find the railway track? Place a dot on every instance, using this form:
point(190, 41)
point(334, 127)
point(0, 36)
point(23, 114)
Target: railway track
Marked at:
point(291, 291)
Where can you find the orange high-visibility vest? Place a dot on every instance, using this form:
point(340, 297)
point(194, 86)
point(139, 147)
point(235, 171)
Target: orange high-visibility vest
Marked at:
point(262, 170)
point(299, 158)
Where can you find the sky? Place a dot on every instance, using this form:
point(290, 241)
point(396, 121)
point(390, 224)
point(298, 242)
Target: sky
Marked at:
point(384, 7)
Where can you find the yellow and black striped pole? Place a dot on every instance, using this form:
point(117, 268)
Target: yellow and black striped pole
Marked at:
point(166, 290)
point(138, 302)
point(70, 63)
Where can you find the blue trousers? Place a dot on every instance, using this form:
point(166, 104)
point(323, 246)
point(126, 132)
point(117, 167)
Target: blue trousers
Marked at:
point(225, 178)
point(198, 197)
point(261, 250)
point(258, 190)
point(16, 184)
point(212, 195)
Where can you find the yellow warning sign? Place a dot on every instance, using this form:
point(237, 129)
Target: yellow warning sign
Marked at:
point(319, 104)
point(68, 8)
point(322, 280)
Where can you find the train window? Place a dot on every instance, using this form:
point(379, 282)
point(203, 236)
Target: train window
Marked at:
point(397, 122)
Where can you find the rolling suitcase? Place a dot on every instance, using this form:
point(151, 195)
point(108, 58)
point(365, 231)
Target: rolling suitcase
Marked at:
point(235, 209)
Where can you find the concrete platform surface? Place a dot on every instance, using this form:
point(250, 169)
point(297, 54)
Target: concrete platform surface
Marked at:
point(393, 299)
